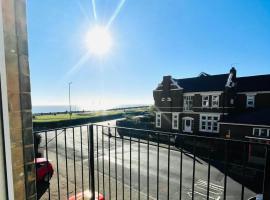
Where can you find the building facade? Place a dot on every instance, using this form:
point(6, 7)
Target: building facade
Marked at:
point(214, 105)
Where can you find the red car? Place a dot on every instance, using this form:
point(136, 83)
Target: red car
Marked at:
point(44, 170)
point(86, 195)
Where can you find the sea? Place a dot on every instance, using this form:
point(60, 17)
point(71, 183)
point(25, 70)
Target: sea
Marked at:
point(64, 108)
point(53, 108)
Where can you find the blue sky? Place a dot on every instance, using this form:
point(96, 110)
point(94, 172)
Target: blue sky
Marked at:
point(150, 39)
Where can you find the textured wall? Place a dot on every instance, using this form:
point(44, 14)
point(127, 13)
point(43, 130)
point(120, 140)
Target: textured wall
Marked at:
point(19, 98)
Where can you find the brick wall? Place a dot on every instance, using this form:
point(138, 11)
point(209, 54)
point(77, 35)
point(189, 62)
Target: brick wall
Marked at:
point(19, 98)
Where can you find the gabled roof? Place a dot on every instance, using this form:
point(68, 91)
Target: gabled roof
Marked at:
point(203, 83)
point(211, 83)
point(258, 117)
point(253, 83)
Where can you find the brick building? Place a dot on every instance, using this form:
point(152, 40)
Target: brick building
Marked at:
point(214, 105)
point(17, 167)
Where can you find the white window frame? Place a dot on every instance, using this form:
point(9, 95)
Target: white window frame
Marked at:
point(251, 98)
point(175, 116)
point(158, 119)
point(205, 100)
point(216, 101)
point(209, 118)
point(187, 102)
point(260, 132)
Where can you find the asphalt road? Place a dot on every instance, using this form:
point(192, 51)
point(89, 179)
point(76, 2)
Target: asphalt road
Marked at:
point(115, 154)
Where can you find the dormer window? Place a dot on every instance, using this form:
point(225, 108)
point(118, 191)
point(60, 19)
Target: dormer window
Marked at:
point(205, 101)
point(215, 101)
point(250, 101)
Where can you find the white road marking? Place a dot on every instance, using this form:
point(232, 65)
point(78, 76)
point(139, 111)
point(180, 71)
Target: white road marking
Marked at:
point(200, 189)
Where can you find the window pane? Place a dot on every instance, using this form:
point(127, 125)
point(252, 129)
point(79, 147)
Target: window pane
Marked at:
point(256, 132)
point(264, 132)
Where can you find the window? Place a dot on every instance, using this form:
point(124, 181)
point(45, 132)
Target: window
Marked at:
point(158, 120)
point(215, 101)
point(188, 102)
point(261, 132)
point(175, 121)
point(250, 101)
point(205, 101)
point(209, 123)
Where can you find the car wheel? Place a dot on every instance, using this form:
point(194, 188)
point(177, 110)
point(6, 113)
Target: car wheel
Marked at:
point(47, 177)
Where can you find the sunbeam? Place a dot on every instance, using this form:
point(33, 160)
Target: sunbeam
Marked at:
point(94, 9)
point(77, 66)
point(83, 11)
point(116, 12)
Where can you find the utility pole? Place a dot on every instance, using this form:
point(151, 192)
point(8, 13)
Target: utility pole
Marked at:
point(69, 99)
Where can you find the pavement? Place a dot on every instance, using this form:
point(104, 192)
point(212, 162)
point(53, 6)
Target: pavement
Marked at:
point(122, 171)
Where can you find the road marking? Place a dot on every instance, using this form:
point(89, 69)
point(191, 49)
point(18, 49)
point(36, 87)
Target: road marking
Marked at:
point(200, 189)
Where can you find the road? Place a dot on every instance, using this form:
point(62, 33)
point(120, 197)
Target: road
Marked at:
point(115, 154)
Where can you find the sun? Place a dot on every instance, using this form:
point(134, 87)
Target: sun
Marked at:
point(99, 40)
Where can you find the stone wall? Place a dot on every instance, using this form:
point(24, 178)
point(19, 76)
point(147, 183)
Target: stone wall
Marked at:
point(19, 98)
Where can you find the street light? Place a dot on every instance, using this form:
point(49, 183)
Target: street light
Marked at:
point(69, 99)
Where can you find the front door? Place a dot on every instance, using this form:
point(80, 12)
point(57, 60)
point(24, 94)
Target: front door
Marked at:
point(187, 125)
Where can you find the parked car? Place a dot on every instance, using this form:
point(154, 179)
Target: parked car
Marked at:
point(86, 195)
point(44, 170)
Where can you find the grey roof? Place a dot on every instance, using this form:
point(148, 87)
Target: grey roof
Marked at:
point(218, 82)
point(203, 83)
point(253, 83)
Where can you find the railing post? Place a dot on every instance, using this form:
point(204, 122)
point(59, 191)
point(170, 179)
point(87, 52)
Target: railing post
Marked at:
point(266, 181)
point(91, 161)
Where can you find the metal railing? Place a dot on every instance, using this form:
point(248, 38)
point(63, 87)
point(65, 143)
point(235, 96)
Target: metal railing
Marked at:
point(126, 163)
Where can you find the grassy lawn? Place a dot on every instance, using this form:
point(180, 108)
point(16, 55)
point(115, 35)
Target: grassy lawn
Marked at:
point(66, 116)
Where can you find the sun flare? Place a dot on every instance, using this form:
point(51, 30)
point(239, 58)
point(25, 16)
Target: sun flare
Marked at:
point(98, 40)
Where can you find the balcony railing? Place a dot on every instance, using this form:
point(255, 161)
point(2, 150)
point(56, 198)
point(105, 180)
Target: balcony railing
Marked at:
point(125, 163)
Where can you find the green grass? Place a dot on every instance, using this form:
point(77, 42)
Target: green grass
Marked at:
point(62, 117)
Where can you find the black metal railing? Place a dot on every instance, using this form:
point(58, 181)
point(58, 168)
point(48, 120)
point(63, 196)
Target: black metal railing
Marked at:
point(127, 163)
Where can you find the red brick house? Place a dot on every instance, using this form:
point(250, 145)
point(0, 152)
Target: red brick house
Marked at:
point(214, 105)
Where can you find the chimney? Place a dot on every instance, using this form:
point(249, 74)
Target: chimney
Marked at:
point(166, 82)
point(231, 81)
point(233, 72)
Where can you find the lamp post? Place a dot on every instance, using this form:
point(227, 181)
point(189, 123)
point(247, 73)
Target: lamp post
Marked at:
point(69, 99)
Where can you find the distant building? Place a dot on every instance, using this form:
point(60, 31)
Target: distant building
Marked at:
point(214, 105)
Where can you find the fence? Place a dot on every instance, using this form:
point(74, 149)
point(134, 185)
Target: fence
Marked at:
point(148, 165)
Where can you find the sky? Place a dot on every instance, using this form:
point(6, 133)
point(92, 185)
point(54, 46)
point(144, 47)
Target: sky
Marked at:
point(151, 39)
